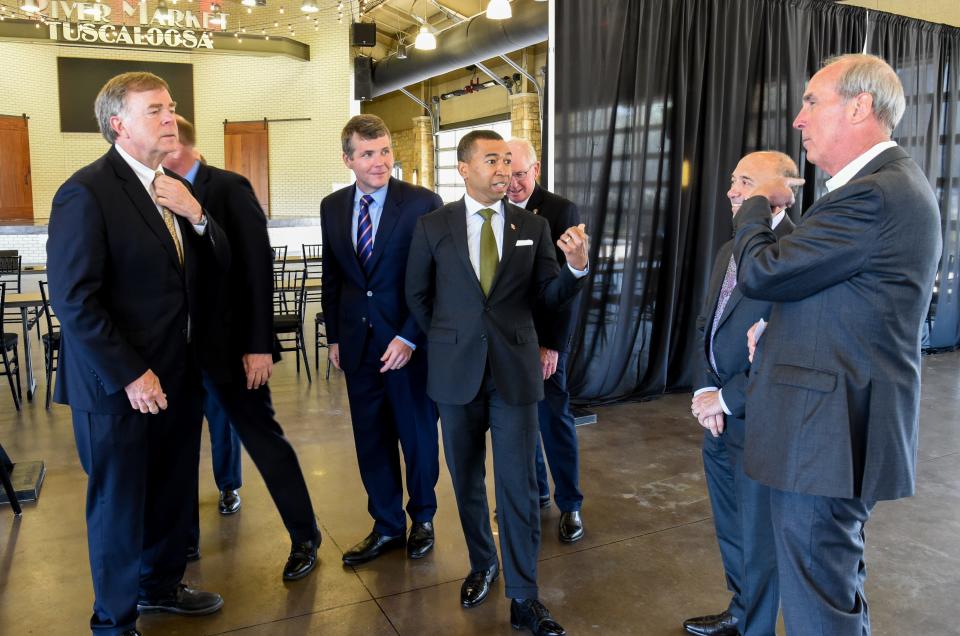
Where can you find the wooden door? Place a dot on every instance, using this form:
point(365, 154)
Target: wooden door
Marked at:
point(246, 147)
point(16, 189)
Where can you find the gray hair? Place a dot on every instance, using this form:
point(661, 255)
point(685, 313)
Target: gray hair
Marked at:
point(872, 75)
point(111, 99)
point(526, 145)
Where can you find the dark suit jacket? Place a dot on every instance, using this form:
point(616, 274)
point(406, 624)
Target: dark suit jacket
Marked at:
point(118, 289)
point(236, 303)
point(351, 301)
point(466, 330)
point(555, 328)
point(730, 341)
point(834, 392)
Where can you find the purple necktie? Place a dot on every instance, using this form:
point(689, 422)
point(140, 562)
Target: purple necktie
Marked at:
point(365, 231)
point(729, 283)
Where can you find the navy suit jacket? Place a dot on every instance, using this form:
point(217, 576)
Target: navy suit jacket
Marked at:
point(467, 330)
point(357, 306)
point(236, 303)
point(833, 400)
point(116, 284)
point(730, 341)
point(555, 328)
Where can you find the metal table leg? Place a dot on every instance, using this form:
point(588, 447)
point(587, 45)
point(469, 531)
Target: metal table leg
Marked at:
point(28, 354)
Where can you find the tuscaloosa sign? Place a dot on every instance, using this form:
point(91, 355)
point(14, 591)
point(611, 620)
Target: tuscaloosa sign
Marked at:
point(93, 23)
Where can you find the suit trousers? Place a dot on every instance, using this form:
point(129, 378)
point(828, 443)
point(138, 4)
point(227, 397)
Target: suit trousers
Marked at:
point(389, 410)
point(513, 432)
point(741, 517)
point(820, 543)
point(252, 416)
point(138, 467)
point(559, 434)
point(225, 444)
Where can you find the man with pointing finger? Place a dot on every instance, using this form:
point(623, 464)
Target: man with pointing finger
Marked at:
point(125, 242)
point(478, 267)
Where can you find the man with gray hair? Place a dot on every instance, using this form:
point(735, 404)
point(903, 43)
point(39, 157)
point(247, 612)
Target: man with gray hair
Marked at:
point(124, 244)
point(834, 393)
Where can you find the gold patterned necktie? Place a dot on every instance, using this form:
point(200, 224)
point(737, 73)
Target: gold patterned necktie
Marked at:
point(489, 257)
point(169, 222)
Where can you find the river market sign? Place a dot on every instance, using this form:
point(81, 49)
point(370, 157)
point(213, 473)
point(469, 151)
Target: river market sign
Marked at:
point(139, 25)
point(92, 23)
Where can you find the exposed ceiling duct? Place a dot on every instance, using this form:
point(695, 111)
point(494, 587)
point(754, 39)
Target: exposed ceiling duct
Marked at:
point(467, 43)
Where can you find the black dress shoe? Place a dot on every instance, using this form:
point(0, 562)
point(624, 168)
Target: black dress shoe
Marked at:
point(229, 502)
point(372, 547)
point(421, 539)
point(193, 553)
point(531, 614)
point(477, 585)
point(724, 624)
point(302, 559)
point(571, 527)
point(182, 600)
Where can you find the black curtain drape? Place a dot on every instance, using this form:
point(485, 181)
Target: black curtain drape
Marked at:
point(656, 101)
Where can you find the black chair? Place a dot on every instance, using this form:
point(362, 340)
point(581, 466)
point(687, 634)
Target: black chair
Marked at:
point(5, 467)
point(321, 341)
point(8, 351)
point(288, 312)
point(313, 267)
point(279, 259)
point(50, 340)
point(11, 274)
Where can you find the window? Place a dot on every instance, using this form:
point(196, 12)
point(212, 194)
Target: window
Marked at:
point(449, 183)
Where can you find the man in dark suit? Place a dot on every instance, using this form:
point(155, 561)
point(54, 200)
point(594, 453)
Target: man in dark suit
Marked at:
point(554, 331)
point(376, 342)
point(235, 326)
point(477, 269)
point(834, 394)
point(125, 243)
point(741, 506)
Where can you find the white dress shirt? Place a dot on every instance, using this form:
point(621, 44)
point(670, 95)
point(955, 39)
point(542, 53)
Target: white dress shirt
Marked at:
point(850, 170)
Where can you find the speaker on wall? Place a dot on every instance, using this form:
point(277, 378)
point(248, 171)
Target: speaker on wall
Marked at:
point(363, 77)
point(363, 34)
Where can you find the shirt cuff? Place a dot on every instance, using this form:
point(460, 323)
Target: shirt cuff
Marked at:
point(201, 227)
point(704, 390)
point(723, 404)
point(579, 273)
point(407, 342)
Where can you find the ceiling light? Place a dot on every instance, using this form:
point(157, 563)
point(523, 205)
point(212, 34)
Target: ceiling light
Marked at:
point(499, 10)
point(426, 40)
point(30, 6)
point(401, 51)
point(309, 6)
point(248, 3)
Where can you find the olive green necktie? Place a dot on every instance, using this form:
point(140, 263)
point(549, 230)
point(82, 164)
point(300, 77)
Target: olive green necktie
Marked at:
point(489, 257)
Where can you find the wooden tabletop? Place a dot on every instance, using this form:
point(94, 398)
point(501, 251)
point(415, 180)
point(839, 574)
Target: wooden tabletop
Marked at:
point(27, 299)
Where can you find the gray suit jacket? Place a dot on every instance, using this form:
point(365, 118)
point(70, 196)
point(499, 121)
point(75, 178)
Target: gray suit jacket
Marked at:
point(834, 392)
point(468, 331)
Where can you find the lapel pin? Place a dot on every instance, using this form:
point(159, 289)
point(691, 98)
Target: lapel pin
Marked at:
point(513, 227)
point(536, 210)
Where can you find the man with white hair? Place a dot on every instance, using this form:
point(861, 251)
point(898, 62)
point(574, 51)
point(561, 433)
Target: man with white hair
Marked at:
point(834, 392)
point(554, 332)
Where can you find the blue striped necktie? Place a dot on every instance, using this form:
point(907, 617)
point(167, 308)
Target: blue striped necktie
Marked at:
point(365, 232)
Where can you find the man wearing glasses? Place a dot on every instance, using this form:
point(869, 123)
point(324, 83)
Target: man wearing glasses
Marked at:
point(554, 331)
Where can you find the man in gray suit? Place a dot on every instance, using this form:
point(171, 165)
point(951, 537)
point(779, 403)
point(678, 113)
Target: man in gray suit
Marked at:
point(834, 392)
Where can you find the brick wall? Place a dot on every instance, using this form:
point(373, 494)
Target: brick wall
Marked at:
point(304, 156)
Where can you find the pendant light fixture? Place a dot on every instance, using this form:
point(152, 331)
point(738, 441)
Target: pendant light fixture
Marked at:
point(29, 6)
point(499, 10)
point(426, 40)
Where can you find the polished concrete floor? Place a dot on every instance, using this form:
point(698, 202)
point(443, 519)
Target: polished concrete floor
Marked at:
point(648, 560)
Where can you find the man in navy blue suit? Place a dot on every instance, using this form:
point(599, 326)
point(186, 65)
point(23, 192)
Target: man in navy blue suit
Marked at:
point(126, 241)
point(367, 228)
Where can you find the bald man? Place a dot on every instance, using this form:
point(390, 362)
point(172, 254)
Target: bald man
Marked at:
point(741, 506)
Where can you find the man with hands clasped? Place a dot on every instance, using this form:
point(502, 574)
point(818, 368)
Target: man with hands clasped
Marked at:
point(741, 506)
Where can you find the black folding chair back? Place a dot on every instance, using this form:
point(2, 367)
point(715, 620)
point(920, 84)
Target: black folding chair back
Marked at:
point(11, 274)
point(279, 258)
point(9, 355)
point(313, 266)
point(289, 304)
point(50, 339)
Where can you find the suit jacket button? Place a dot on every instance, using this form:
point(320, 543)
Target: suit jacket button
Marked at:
point(486, 307)
point(483, 337)
point(363, 319)
point(369, 293)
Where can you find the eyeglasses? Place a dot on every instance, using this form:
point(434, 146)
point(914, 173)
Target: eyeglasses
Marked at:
point(521, 175)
